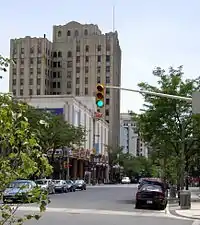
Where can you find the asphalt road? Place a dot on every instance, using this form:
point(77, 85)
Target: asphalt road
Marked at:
point(112, 205)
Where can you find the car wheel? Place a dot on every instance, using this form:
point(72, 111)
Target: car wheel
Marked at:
point(137, 205)
point(74, 190)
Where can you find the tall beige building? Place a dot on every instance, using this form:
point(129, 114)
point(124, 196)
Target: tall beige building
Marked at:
point(79, 58)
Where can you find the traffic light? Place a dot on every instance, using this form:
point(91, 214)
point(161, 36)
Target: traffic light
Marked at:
point(100, 96)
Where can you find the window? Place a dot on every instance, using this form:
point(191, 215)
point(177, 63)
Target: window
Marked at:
point(107, 46)
point(77, 91)
point(69, 64)
point(107, 101)
point(14, 82)
point(38, 91)
point(30, 91)
point(32, 50)
point(78, 58)
point(107, 69)
point(59, 74)
point(107, 91)
point(108, 58)
point(85, 32)
point(107, 121)
point(86, 91)
point(54, 54)
point(69, 54)
point(78, 48)
point(77, 69)
point(68, 33)
point(77, 80)
point(86, 80)
point(69, 84)
point(30, 81)
point(98, 80)
point(22, 50)
point(98, 69)
point(107, 80)
point(39, 50)
point(98, 58)
point(21, 71)
point(21, 92)
point(99, 48)
point(86, 59)
point(76, 33)
point(59, 54)
point(54, 74)
point(59, 64)
point(107, 112)
point(86, 69)
point(38, 81)
point(38, 71)
point(58, 84)
point(54, 84)
point(59, 33)
point(31, 71)
point(14, 71)
point(87, 48)
point(54, 64)
point(69, 74)
point(21, 81)
point(31, 60)
point(22, 61)
point(39, 60)
point(14, 92)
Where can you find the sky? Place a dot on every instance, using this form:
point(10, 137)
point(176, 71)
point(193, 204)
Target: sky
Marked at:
point(151, 33)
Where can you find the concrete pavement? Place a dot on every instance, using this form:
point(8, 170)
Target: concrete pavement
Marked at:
point(99, 204)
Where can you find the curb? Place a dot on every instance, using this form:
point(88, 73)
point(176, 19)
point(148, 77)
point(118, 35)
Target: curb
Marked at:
point(173, 212)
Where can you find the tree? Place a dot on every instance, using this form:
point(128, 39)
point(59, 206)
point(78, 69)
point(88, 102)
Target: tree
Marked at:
point(20, 156)
point(53, 131)
point(4, 63)
point(167, 124)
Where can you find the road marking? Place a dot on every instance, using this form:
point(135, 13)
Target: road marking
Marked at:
point(101, 212)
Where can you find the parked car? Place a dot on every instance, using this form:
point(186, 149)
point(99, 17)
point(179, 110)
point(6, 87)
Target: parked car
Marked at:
point(19, 190)
point(71, 186)
point(151, 195)
point(60, 186)
point(125, 180)
point(47, 185)
point(80, 184)
point(153, 181)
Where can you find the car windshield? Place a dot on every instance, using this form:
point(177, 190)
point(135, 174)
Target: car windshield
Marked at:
point(41, 182)
point(57, 181)
point(79, 181)
point(68, 182)
point(156, 188)
point(153, 182)
point(19, 184)
point(125, 178)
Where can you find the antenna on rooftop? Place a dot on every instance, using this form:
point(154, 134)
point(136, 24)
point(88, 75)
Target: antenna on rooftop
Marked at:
point(113, 18)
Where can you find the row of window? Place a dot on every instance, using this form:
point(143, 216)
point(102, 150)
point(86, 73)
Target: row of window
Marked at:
point(69, 33)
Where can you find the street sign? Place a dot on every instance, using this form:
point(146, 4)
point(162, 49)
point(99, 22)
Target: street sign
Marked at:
point(98, 115)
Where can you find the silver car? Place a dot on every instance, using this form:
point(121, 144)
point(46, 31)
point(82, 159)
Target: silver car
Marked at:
point(61, 186)
point(47, 185)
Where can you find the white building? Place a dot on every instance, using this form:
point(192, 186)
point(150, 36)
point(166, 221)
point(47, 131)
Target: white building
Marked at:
point(77, 111)
point(129, 139)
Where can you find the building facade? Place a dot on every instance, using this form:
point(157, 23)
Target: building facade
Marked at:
point(92, 154)
point(129, 138)
point(79, 57)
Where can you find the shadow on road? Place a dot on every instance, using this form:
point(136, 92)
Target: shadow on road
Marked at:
point(129, 201)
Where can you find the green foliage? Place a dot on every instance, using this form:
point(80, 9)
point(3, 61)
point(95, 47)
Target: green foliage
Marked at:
point(4, 63)
point(20, 156)
point(167, 124)
point(53, 131)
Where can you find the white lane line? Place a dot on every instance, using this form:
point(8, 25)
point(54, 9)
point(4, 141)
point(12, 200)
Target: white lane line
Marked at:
point(99, 212)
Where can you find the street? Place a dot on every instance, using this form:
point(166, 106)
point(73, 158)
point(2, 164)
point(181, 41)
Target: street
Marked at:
point(99, 205)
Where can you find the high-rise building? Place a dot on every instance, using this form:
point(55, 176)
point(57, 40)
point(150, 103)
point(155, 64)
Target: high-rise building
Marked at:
point(129, 138)
point(79, 57)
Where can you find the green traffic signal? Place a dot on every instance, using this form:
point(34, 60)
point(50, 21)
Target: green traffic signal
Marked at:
point(100, 103)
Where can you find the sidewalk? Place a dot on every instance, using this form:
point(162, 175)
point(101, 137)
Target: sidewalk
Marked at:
point(193, 213)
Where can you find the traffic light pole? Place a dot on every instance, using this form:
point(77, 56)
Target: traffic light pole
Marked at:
point(151, 93)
